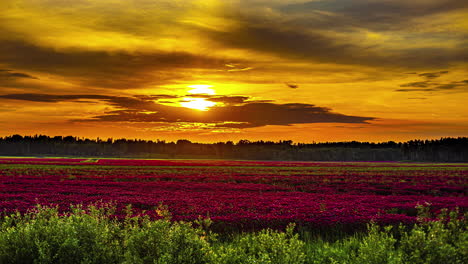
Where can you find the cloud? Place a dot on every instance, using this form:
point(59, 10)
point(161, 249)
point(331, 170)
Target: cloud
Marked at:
point(156, 97)
point(229, 100)
point(427, 86)
point(371, 14)
point(262, 114)
point(415, 90)
point(238, 112)
point(11, 74)
point(315, 46)
point(243, 116)
point(184, 44)
point(372, 33)
point(292, 86)
point(47, 98)
point(430, 84)
point(108, 69)
point(416, 84)
point(248, 114)
point(448, 86)
point(433, 75)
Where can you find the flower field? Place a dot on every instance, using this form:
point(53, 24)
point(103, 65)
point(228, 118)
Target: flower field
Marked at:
point(239, 194)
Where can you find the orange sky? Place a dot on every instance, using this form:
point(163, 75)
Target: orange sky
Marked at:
point(218, 70)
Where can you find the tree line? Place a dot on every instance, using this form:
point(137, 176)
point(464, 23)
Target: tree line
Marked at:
point(440, 150)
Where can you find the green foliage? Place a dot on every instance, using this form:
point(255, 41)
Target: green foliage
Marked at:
point(377, 246)
point(342, 251)
point(92, 235)
point(443, 241)
point(266, 246)
point(431, 241)
point(44, 236)
point(165, 242)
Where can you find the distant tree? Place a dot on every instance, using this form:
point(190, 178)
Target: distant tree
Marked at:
point(443, 150)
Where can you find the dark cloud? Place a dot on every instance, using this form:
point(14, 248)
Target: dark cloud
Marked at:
point(304, 32)
point(111, 69)
point(243, 116)
point(431, 84)
point(447, 86)
point(11, 74)
point(313, 46)
point(415, 90)
point(432, 75)
point(416, 84)
point(374, 15)
point(292, 86)
point(286, 42)
point(156, 96)
point(237, 113)
point(52, 98)
point(262, 114)
point(434, 86)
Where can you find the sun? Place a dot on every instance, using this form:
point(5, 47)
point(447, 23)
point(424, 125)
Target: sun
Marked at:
point(201, 89)
point(197, 103)
point(201, 104)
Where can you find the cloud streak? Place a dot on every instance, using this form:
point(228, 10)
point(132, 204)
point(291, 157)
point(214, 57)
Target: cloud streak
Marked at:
point(317, 47)
point(117, 70)
point(238, 111)
point(432, 85)
point(9, 74)
point(371, 14)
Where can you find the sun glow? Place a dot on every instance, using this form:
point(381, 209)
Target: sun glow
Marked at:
point(201, 89)
point(197, 103)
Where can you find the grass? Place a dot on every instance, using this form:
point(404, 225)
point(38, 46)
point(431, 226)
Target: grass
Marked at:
point(94, 235)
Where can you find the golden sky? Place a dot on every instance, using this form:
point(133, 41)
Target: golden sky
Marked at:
point(218, 70)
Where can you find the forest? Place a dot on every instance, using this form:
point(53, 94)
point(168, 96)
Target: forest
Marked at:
point(440, 150)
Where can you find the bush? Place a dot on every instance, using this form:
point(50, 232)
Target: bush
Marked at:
point(442, 241)
point(165, 242)
point(93, 235)
point(430, 241)
point(44, 236)
point(266, 246)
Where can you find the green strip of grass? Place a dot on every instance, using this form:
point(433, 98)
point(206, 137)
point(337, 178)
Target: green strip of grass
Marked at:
point(91, 235)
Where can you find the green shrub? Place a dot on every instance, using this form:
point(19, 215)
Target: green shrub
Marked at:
point(444, 241)
point(163, 242)
point(377, 247)
point(342, 251)
point(43, 236)
point(92, 235)
point(266, 246)
point(429, 242)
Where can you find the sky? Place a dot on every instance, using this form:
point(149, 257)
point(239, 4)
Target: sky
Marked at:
point(219, 70)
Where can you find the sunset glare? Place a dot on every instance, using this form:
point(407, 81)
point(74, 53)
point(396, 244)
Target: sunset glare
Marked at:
point(201, 89)
point(197, 103)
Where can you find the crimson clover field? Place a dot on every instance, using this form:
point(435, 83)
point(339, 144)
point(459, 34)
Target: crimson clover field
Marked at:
point(239, 194)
